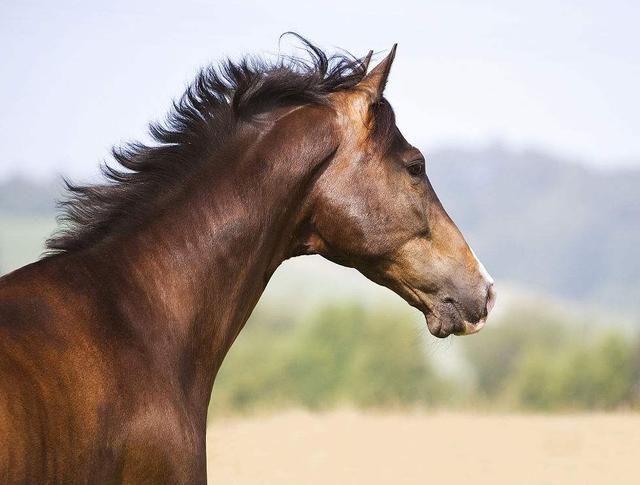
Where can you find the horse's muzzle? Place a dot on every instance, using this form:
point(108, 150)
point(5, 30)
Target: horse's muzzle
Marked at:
point(450, 317)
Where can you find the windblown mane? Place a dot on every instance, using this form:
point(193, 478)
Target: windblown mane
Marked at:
point(205, 115)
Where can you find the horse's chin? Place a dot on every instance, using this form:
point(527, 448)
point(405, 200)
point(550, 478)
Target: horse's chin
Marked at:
point(449, 321)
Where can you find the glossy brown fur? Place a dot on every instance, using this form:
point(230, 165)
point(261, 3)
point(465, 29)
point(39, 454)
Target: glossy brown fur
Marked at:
point(109, 346)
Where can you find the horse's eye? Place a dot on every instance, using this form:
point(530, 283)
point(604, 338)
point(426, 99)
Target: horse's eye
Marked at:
point(416, 168)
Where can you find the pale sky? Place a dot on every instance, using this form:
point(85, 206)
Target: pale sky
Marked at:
point(78, 77)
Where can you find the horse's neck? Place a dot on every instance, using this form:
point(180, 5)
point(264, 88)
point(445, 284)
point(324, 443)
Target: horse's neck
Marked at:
point(192, 278)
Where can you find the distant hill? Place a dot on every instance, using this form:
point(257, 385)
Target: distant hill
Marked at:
point(545, 223)
point(22, 197)
point(27, 211)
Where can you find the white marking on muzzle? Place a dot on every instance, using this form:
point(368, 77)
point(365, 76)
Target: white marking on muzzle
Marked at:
point(483, 271)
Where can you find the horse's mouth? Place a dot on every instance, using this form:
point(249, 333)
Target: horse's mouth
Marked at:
point(444, 315)
point(443, 328)
point(445, 318)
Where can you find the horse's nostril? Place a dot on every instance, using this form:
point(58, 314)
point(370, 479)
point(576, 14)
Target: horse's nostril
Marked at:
point(491, 298)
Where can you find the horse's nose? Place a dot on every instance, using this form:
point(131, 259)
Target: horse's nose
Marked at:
point(491, 299)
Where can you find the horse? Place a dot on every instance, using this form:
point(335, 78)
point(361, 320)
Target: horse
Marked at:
point(110, 343)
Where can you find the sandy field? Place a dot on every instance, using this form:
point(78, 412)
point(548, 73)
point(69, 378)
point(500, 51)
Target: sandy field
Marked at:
point(346, 447)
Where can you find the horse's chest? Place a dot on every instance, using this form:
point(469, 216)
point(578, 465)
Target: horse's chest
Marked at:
point(162, 447)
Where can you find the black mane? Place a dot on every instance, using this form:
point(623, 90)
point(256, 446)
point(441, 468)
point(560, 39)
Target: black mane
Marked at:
point(206, 114)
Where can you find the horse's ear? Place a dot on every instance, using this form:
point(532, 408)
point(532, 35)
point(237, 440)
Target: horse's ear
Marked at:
point(367, 60)
point(373, 83)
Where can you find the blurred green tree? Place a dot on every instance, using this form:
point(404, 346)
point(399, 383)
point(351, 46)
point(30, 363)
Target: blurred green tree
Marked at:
point(346, 353)
point(586, 376)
